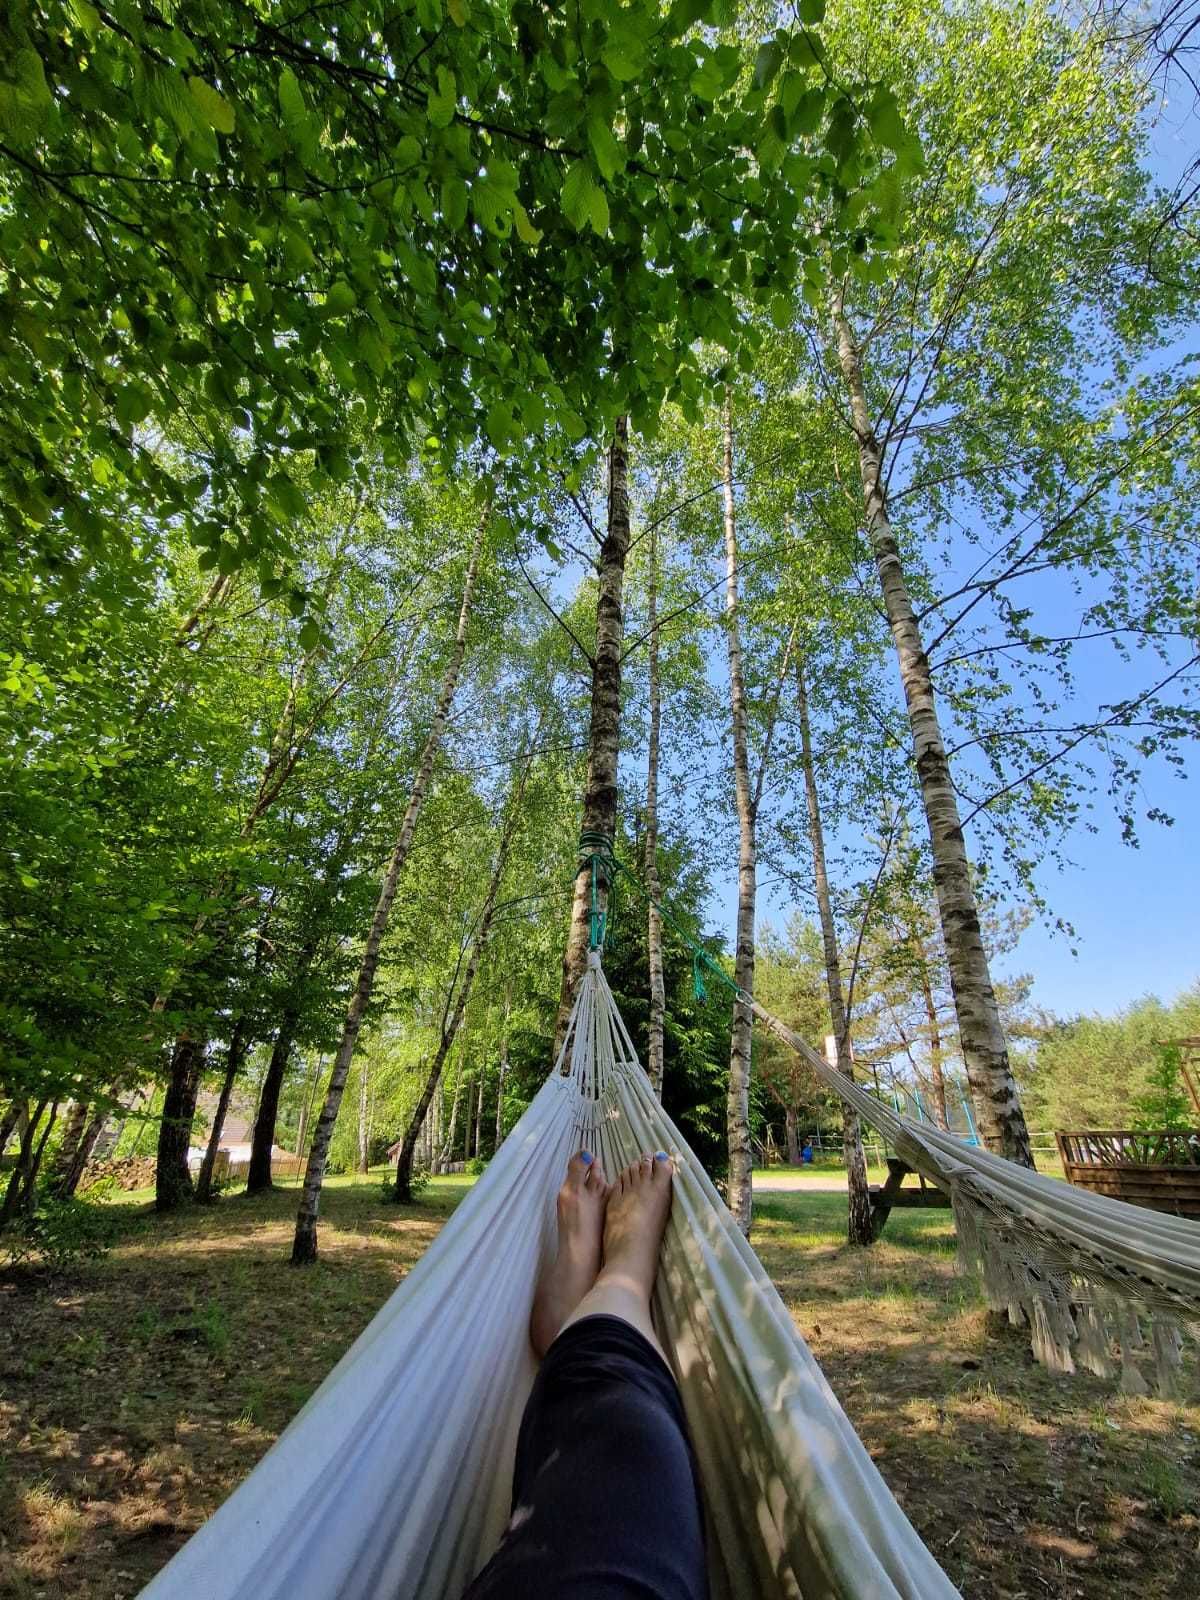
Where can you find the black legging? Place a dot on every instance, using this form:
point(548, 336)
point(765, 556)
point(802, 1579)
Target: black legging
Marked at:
point(606, 1503)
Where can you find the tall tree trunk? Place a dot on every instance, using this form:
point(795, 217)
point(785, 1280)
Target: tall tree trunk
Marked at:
point(985, 1052)
point(654, 936)
point(478, 1113)
point(604, 734)
point(262, 1140)
point(67, 1177)
point(364, 1106)
point(9, 1120)
point(790, 1119)
point(446, 1154)
point(29, 1185)
point(451, 1024)
point(737, 1117)
point(29, 1125)
point(239, 1043)
point(74, 1127)
point(305, 1110)
point(858, 1222)
point(936, 1069)
point(304, 1245)
point(173, 1180)
point(283, 755)
point(500, 1077)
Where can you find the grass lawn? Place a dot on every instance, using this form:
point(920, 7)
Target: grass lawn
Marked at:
point(135, 1393)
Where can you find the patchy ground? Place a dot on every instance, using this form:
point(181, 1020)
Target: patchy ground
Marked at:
point(1022, 1483)
point(137, 1393)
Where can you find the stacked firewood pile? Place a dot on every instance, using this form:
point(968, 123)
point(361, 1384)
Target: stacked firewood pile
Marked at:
point(132, 1172)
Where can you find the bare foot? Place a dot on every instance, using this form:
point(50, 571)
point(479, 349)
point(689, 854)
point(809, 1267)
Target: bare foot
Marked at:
point(638, 1206)
point(581, 1202)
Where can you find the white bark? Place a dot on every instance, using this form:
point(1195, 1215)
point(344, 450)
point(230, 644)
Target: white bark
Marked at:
point(985, 1052)
point(737, 1111)
point(304, 1246)
point(654, 936)
point(858, 1219)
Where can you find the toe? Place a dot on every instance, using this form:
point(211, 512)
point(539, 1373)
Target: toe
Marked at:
point(578, 1168)
point(595, 1178)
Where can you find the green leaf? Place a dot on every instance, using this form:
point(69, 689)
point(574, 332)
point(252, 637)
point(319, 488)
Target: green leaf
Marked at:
point(767, 62)
point(624, 57)
point(885, 122)
point(407, 152)
point(598, 212)
point(526, 231)
point(291, 103)
point(578, 187)
point(812, 12)
point(457, 10)
point(443, 99)
point(454, 202)
point(214, 108)
point(498, 425)
point(610, 157)
point(86, 16)
point(310, 635)
point(340, 299)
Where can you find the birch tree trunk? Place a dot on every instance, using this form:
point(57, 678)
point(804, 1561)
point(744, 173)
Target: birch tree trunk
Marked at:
point(737, 1112)
point(364, 1105)
point(858, 1221)
point(654, 938)
point(936, 1071)
point(74, 1127)
point(8, 1123)
point(604, 735)
point(20, 1181)
point(304, 1245)
point(502, 1074)
point(69, 1172)
point(450, 1026)
point(985, 1052)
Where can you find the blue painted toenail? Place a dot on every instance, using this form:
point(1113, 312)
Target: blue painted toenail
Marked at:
point(661, 1155)
point(586, 1157)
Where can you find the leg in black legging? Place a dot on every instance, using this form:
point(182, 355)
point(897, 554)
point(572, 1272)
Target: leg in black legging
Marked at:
point(606, 1504)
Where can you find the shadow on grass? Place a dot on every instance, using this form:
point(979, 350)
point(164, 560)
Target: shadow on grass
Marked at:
point(1021, 1481)
point(138, 1391)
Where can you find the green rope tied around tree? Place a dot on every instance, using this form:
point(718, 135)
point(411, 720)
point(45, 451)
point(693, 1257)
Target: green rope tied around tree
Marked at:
point(596, 850)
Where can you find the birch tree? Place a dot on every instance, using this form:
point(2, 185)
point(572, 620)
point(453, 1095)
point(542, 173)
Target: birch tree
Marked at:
point(304, 1244)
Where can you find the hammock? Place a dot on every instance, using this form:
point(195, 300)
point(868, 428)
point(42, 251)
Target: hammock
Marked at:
point(393, 1482)
point(1088, 1273)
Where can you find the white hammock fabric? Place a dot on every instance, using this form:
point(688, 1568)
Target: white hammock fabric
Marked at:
point(1102, 1284)
point(393, 1482)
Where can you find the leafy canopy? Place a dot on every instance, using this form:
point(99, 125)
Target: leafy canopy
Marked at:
point(471, 222)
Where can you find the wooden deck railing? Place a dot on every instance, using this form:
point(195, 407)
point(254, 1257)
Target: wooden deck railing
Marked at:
point(1126, 1147)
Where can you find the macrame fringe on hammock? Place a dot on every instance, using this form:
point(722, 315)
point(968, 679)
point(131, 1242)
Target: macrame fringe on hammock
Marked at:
point(1102, 1285)
point(393, 1483)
